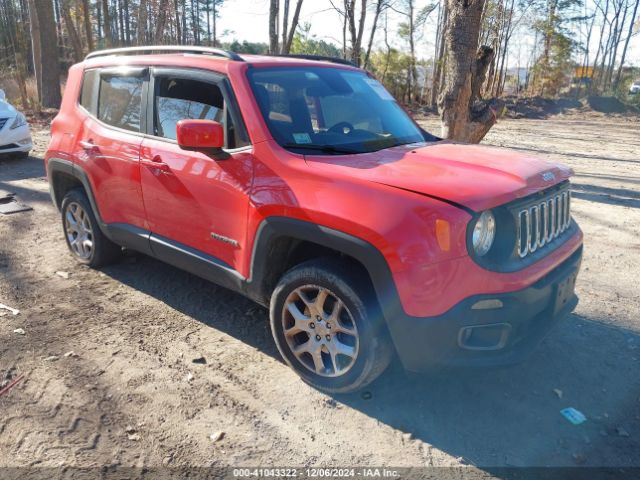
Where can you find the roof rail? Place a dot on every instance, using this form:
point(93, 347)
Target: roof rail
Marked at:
point(318, 58)
point(148, 50)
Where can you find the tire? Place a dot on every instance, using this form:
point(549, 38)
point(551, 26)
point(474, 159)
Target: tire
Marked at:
point(361, 348)
point(78, 220)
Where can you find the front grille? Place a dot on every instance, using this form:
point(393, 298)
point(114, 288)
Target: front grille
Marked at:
point(541, 222)
point(3, 121)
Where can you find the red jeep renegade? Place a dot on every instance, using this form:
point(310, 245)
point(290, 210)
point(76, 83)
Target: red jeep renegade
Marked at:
point(302, 184)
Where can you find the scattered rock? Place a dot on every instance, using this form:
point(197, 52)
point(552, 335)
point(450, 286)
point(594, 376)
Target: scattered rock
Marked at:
point(14, 311)
point(199, 361)
point(130, 429)
point(134, 437)
point(216, 436)
point(52, 358)
point(189, 377)
point(622, 432)
point(19, 331)
point(71, 354)
point(558, 392)
point(167, 460)
point(62, 274)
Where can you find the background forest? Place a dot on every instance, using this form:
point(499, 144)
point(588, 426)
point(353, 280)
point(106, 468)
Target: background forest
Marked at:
point(546, 48)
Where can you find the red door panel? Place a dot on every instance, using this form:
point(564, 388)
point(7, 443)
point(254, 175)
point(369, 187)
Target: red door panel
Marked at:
point(196, 200)
point(111, 158)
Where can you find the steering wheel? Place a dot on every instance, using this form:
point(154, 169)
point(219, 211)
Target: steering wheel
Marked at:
point(342, 127)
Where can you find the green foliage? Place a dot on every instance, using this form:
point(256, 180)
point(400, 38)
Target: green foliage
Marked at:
point(255, 48)
point(305, 43)
point(392, 69)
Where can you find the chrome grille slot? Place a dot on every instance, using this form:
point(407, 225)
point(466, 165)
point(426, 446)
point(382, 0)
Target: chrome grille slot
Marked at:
point(543, 221)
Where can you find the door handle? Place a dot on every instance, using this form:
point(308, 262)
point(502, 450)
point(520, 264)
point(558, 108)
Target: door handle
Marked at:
point(88, 146)
point(156, 163)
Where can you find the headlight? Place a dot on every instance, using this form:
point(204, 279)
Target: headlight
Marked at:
point(484, 233)
point(19, 121)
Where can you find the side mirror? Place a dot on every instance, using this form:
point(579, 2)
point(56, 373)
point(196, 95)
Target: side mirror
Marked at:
point(204, 136)
point(2, 95)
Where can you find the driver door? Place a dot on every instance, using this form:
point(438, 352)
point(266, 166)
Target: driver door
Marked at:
point(195, 204)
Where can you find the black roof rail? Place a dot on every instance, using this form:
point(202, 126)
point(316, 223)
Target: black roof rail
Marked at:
point(149, 50)
point(318, 58)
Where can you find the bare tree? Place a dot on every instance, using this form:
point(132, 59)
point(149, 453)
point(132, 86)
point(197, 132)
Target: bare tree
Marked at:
point(273, 26)
point(286, 47)
point(108, 36)
point(50, 66)
point(626, 43)
point(35, 43)
point(379, 7)
point(464, 116)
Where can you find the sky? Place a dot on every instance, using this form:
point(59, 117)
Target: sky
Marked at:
point(248, 20)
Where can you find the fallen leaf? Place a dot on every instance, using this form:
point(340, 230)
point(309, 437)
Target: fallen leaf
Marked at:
point(216, 436)
point(62, 274)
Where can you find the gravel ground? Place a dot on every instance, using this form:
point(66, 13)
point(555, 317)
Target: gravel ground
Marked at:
point(109, 379)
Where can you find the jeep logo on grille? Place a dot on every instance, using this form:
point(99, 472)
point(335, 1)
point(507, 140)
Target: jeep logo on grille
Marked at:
point(548, 176)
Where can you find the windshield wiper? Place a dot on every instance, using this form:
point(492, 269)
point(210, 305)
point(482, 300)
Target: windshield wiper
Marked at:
point(322, 148)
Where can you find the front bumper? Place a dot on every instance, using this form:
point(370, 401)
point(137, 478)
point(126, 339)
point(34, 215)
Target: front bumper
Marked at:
point(505, 329)
point(15, 141)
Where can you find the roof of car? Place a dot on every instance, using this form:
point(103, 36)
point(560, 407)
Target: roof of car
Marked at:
point(165, 54)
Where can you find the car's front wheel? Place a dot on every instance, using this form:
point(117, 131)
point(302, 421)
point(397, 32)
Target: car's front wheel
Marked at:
point(84, 238)
point(327, 326)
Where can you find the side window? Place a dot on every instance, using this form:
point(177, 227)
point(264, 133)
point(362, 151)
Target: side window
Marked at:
point(179, 99)
point(88, 90)
point(120, 101)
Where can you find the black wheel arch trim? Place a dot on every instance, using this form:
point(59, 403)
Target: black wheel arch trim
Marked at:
point(362, 251)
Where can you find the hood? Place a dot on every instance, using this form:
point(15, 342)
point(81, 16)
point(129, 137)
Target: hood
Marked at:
point(7, 110)
point(474, 176)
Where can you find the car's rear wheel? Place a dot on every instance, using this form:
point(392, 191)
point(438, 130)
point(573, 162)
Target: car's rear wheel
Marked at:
point(84, 238)
point(327, 326)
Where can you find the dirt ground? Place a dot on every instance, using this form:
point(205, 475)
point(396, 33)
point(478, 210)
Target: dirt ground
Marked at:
point(130, 394)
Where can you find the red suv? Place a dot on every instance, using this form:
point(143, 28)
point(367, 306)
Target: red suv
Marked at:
point(302, 184)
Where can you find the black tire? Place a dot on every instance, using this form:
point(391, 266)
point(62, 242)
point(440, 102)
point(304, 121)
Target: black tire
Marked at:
point(103, 251)
point(374, 348)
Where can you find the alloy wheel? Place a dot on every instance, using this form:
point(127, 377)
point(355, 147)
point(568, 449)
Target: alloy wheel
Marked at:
point(320, 331)
point(79, 232)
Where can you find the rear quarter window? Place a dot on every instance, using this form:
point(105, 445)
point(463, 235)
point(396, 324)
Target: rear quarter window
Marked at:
point(120, 101)
point(88, 91)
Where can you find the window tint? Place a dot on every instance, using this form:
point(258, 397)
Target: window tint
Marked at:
point(178, 99)
point(88, 88)
point(120, 101)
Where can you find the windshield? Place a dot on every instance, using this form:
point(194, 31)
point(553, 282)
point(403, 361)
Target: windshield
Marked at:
point(330, 110)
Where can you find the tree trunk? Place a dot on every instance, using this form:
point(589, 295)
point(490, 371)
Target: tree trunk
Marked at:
point(273, 26)
point(35, 42)
point(50, 65)
point(292, 28)
point(87, 24)
point(379, 6)
point(71, 30)
point(108, 38)
point(626, 44)
point(464, 116)
point(161, 22)
point(141, 35)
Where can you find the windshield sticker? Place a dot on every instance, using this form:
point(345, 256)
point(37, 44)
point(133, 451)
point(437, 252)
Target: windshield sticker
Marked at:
point(302, 138)
point(377, 87)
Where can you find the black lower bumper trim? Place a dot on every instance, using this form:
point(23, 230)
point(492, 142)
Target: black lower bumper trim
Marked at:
point(468, 337)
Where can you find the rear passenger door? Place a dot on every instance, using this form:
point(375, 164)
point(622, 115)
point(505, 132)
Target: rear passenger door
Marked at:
point(108, 145)
point(195, 202)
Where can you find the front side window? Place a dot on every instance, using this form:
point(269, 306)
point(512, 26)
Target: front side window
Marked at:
point(120, 101)
point(179, 99)
point(333, 109)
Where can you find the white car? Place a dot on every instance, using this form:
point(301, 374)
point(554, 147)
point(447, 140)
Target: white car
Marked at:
point(635, 87)
point(15, 137)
